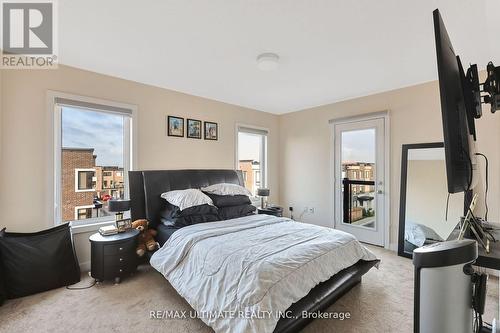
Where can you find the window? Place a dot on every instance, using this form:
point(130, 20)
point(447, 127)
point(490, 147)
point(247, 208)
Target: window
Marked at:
point(84, 180)
point(252, 157)
point(93, 146)
point(82, 213)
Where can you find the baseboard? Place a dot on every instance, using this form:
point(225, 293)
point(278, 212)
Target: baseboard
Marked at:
point(85, 266)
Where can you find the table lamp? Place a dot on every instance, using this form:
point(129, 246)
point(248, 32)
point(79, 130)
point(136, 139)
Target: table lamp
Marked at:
point(118, 206)
point(262, 193)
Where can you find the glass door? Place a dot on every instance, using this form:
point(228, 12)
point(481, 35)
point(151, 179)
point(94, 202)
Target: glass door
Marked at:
point(359, 150)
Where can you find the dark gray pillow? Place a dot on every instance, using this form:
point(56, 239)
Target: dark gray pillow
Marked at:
point(232, 212)
point(229, 200)
point(172, 216)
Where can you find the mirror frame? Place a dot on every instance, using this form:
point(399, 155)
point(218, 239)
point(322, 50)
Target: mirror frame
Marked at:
point(402, 193)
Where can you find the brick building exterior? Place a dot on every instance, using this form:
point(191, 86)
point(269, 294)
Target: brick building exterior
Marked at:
point(85, 184)
point(251, 174)
point(73, 159)
point(109, 181)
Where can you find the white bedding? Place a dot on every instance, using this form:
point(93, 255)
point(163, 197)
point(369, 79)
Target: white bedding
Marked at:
point(252, 267)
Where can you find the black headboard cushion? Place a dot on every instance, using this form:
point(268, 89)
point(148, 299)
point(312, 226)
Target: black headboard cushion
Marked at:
point(147, 186)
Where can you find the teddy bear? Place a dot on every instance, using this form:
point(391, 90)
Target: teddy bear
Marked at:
point(146, 239)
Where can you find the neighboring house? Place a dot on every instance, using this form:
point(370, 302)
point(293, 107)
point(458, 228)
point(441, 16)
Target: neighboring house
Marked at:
point(78, 183)
point(83, 183)
point(251, 174)
point(109, 181)
point(359, 171)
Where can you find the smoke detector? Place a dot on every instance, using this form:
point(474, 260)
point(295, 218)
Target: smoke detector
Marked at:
point(268, 61)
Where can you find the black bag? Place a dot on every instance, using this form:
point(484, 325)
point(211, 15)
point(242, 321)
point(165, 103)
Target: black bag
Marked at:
point(36, 262)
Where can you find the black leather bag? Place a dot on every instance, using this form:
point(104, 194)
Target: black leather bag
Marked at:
point(36, 262)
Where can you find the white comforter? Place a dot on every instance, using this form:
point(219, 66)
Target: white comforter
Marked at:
point(238, 274)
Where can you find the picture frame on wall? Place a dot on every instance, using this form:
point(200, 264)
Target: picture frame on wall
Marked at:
point(211, 131)
point(175, 126)
point(193, 128)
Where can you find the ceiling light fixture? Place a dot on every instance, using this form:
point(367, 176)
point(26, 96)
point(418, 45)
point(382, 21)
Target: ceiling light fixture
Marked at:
point(267, 61)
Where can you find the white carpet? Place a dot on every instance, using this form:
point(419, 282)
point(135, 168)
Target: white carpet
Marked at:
point(383, 302)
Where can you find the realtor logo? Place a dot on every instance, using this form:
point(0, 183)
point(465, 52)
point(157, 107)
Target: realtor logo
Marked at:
point(28, 34)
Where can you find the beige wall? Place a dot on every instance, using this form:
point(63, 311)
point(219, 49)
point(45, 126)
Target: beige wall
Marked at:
point(426, 196)
point(305, 178)
point(24, 131)
point(299, 142)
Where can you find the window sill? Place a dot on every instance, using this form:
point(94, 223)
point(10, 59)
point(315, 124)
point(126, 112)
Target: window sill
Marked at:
point(90, 227)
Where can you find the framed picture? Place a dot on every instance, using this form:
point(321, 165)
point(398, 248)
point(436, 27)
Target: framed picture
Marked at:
point(123, 224)
point(175, 126)
point(211, 131)
point(193, 129)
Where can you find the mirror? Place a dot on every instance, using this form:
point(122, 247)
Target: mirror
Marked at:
point(427, 214)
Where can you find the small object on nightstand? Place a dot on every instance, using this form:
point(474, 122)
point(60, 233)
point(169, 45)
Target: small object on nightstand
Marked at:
point(271, 210)
point(108, 230)
point(113, 256)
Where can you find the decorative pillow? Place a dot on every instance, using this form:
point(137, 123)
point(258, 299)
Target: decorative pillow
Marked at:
point(227, 189)
point(229, 200)
point(187, 198)
point(172, 215)
point(232, 212)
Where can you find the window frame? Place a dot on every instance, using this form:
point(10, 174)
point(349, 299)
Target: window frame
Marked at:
point(77, 187)
point(77, 208)
point(130, 145)
point(245, 128)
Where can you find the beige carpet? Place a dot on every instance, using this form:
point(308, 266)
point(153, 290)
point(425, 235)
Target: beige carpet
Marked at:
point(383, 302)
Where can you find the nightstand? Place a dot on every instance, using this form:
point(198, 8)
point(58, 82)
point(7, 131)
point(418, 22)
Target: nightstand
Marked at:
point(274, 210)
point(113, 257)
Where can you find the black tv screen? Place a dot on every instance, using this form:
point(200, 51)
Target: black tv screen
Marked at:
point(454, 112)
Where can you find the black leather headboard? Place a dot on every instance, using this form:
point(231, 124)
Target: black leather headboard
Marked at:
point(147, 186)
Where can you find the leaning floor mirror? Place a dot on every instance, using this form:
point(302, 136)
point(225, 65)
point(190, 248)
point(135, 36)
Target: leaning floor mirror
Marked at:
point(427, 213)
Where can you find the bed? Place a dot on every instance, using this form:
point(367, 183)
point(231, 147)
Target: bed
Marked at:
point(145, 190)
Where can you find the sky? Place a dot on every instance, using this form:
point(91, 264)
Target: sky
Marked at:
point(98, 130)
point(359, 146)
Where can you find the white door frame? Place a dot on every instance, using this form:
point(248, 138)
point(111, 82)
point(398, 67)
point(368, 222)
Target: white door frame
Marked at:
point(387, 153)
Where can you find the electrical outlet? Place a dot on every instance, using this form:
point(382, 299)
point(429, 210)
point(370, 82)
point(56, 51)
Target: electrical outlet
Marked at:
point(311, 210)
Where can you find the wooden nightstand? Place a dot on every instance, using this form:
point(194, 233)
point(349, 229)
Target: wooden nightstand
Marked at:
point(113, 257)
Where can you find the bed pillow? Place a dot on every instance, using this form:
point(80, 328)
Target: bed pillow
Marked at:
point(418, 234)
point(187, 198)
point(173, 216)
point(229, 200)
point(232, 212)
point(227, 189)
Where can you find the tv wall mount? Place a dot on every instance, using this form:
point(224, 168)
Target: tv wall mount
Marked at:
point(477, 93)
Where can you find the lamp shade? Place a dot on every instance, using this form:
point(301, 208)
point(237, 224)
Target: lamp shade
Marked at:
point(117, 206)
point(263, 192)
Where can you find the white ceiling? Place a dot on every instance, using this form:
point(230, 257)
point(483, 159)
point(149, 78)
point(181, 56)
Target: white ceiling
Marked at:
point(330, 50)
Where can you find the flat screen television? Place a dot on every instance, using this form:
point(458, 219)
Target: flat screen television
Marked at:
point(458, 118)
